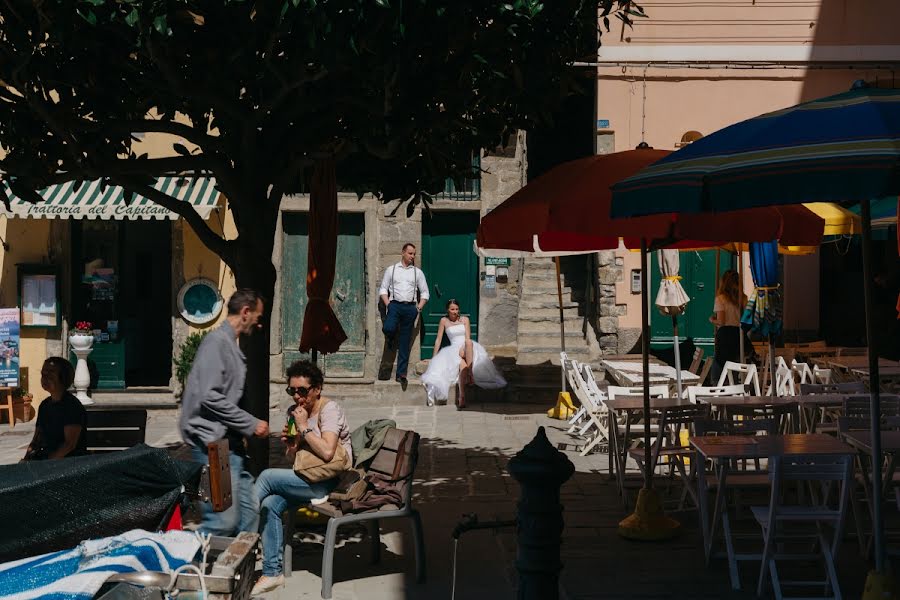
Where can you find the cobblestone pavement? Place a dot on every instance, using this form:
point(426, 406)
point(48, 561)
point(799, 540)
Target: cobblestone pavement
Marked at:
point(462, 469)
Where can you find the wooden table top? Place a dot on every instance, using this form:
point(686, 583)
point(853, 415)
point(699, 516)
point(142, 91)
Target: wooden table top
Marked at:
point(637, 403)
point(632, 372)
point(817, 350)
point(890, 440)
point(883, 371)
point(762, 446)
point(747, 400)
point(858, 362)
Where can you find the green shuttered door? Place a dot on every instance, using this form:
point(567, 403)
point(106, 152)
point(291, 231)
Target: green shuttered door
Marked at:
point(348, 296)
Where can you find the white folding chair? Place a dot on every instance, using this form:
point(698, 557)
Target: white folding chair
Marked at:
point(777, 516)
point(567, 365)
point(784, 383)
point(714, 390)
point(746, 374)
point(802, 372)
point(596, 413)
point(821, 375)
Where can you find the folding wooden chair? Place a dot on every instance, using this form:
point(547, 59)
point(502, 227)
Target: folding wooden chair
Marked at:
point(696, 391)
point(697, 361)
point(778, 516)
point(745, 373)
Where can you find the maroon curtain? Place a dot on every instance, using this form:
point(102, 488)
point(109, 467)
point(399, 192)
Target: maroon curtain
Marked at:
point(321, 329)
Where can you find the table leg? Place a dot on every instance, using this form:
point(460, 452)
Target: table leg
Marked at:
point(703, 502)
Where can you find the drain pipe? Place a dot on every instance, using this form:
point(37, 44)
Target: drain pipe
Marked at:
point(470, 522)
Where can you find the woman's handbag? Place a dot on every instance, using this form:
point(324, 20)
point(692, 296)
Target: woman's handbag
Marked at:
point(313, 469)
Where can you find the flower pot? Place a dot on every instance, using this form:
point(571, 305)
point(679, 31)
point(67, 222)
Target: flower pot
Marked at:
point(80, 341)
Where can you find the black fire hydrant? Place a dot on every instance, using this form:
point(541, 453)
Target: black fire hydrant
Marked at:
point(541, 470)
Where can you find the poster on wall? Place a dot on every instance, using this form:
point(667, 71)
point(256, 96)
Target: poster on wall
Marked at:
point(9, 347)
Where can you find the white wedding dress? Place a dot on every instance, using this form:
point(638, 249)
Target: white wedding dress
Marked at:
point(443, 370)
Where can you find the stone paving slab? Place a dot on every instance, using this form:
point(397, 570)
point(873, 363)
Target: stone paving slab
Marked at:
point(462, 470)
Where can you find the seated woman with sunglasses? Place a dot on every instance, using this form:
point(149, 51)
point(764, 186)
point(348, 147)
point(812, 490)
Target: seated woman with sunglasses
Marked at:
point(321, 426)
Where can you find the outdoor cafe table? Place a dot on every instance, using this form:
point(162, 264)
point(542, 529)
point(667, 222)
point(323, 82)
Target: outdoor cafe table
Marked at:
point(890, 445)
point(723, 450)
point(848, 363)
point(727, 404)
point(886, 376)
point(630, 373)
point(629, 406)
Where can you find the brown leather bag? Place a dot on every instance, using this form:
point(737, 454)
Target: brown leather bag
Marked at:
point(313, 469)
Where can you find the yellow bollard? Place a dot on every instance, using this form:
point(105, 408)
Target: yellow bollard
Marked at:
point(879, 586)
point(564, 408)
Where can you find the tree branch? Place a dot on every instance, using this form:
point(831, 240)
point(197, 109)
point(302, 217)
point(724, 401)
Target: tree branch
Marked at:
point(222, 247)
point(205, 141)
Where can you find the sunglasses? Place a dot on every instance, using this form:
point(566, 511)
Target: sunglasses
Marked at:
point(301, 391)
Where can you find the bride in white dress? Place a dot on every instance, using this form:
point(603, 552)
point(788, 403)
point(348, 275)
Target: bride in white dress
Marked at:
point(463, 358)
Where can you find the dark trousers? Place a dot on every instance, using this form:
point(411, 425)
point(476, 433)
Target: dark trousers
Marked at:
point(400, 321)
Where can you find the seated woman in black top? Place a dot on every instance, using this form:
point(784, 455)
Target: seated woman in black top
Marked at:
point(60, 428)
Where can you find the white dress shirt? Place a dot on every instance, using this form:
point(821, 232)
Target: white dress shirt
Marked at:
point(400, 283)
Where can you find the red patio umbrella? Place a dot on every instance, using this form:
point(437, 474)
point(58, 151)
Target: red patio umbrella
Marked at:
point(321, 329)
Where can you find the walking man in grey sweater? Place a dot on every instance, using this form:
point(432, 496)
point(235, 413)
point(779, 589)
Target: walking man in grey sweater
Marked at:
point(210, 411)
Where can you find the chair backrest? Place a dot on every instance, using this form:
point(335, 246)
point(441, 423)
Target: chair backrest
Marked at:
point(696, 391)
point(599, 390)
point(812, 467)
point(656, 391)
point(851, 387)
point(784, 382)
point(821, 375)
point(805, 345)
point(745, 373)
point(581, 389)
point(861, 405)
point(821, 468)
point(802, 372)
point(111, 430)
point(704, 371)
point(697, 360)
point(397, 458)
point(745, 427)
point(780, 363)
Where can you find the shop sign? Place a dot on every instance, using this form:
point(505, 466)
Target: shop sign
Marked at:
point(496, 261)
point(199, 301)
point(9, 347)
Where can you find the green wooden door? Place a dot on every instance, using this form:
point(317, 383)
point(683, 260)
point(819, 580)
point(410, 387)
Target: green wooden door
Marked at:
point(698, 272)
point(451, 269)
point(348, 297)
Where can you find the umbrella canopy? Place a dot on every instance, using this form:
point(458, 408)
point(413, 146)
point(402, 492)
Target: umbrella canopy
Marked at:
point(671, 298)
point(840, 148)
point(763, 311)
point(321, 329)
point(566, 211)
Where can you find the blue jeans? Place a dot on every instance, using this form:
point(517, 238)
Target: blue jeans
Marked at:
point(276, 490)
point(243, 514)
point(400, 321)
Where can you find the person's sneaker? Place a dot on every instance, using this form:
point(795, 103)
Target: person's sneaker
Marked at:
point(267, 584)
point(317, 501)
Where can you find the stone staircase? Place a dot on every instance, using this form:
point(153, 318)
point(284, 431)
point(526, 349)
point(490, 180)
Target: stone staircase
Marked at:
point(538, 325)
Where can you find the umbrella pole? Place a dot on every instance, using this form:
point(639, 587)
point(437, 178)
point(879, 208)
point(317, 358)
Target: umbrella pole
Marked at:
point(562, 319)
point(879, 575)
point(564, 407)
point(741, 288)
point(648, 521)
point(677, 355)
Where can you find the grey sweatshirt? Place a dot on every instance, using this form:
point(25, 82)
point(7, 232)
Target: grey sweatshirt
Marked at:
point(214, 387)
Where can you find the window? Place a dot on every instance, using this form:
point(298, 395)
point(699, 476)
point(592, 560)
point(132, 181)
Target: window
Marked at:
point(466, 189)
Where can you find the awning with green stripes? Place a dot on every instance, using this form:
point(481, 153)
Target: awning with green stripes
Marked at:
point(93, 201)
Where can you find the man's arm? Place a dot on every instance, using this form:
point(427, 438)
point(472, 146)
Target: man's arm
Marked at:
point(210, 380)
point(385, 285)
point(422, 286)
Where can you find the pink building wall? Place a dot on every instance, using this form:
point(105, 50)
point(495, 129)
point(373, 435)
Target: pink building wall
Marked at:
point(801, 49)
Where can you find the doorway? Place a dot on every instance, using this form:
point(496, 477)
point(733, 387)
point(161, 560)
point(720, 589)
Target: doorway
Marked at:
point(122, 284)
point(451, 269)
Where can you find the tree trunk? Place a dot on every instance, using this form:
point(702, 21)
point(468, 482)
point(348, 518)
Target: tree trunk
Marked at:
point(253, 269)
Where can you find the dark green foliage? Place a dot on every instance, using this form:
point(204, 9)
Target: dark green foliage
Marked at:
point(186, 354)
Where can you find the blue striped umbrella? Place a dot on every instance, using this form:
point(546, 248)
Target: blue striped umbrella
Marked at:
point(763, 312)
point(840, 148)
point(843, 148)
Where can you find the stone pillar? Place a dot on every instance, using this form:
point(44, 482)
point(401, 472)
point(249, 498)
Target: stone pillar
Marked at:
point(540, 470)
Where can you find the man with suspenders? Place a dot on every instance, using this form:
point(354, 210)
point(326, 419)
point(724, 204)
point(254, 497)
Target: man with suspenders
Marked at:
point(400, 286)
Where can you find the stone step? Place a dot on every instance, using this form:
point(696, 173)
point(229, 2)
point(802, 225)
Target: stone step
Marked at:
point(362, 393)
point(547, 285)
point(537, 356)
point(574, 324)
point(547, 338)
point(530, 291)
point(531, 303)
point(547, 314)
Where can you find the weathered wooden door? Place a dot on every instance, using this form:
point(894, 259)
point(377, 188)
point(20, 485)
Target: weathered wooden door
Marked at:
point(348, 296)
point(698, 273)
point(451, 268)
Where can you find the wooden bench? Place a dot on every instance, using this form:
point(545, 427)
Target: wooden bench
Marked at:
point(115, 429)
point(382, 464)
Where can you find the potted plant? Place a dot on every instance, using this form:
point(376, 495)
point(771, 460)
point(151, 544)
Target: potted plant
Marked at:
point(82, 337)
point(185, 359)
point(22, 399)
